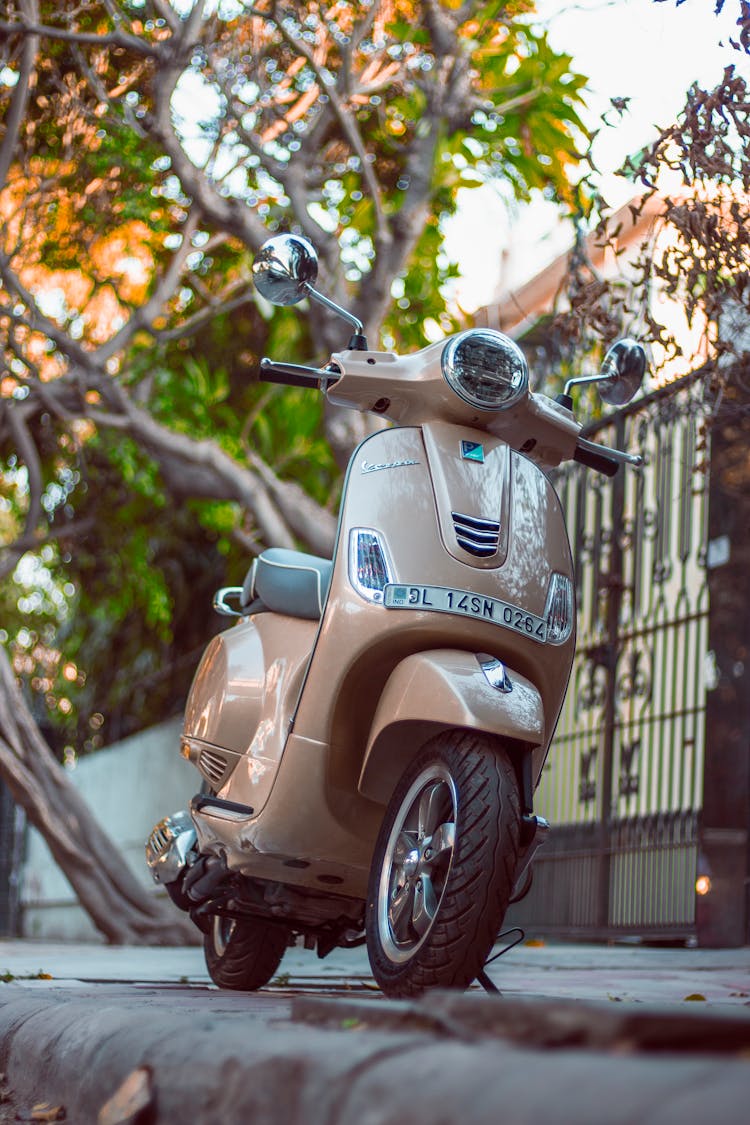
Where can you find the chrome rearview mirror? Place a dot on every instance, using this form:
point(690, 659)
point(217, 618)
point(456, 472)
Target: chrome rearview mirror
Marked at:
point(285, 269)
point(619, 377)
point(622, 371)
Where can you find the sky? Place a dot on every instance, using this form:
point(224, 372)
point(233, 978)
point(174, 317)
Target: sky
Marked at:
point(650, 52)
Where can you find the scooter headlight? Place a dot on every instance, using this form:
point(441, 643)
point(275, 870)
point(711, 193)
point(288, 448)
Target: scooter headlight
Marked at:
point(485, 368)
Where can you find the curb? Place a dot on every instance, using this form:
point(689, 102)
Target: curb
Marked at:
point(338, 1068)
point(541, 1022)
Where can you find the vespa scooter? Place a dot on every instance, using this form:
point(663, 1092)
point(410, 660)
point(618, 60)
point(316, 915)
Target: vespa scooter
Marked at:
point(371, 729)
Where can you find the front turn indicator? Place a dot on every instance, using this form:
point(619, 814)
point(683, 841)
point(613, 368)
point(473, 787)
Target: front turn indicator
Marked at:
point(559, 612)
point(369, 569)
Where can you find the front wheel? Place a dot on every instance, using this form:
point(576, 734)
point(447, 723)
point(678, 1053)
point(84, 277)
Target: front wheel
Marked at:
point(244, 954)
point(442, 872)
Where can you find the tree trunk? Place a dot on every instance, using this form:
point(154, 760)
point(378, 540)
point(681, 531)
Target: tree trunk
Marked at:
point(119, 907)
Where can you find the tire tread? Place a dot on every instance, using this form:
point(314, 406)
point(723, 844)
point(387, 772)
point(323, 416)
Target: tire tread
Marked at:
point(480, 881)
point(252, 955)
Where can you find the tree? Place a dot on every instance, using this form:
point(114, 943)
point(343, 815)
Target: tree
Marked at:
point(148, 149)
point(694, 179)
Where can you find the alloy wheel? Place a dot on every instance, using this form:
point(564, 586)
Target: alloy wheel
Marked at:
point(416, 863)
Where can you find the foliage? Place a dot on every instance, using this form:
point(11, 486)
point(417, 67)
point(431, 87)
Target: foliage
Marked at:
point(147, 150)
point(694, 253)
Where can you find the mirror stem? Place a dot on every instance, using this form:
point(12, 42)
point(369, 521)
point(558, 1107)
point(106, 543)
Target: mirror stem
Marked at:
point(580, 380)
point(358, 341)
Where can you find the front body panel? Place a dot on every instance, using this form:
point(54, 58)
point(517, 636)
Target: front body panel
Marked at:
point(360, 643)
point(317, 828)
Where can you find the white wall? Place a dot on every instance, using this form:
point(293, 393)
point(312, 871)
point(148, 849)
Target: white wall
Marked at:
point(129, 787)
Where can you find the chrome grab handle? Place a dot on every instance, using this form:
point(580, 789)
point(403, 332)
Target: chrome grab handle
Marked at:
point(222, 598)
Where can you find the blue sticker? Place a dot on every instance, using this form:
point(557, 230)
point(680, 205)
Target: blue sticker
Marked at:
point(472, 451)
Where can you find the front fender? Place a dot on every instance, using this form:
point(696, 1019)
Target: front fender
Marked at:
point(437, 690)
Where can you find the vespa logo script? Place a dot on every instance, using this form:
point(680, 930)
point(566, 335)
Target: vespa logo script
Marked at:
point(368, 468)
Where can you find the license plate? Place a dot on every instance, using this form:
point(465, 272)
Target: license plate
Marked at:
point(444, 599)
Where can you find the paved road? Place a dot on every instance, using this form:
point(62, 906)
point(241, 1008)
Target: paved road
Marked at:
point(554, 970)
point(605, 1035)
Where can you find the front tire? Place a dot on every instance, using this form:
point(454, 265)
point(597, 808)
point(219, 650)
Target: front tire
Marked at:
point(442, 871)
point(243, 955)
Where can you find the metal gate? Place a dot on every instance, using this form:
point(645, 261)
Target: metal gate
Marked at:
point(623, 784)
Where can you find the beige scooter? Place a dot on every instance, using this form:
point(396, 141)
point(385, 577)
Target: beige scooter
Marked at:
point(371, 730)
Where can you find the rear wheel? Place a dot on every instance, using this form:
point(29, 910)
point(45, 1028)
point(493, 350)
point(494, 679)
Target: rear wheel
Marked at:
point(243, 954)
point(442, 872)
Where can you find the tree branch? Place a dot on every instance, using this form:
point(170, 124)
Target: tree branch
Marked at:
point(345, 120)
point(228, 213)
point(113, 39)
point(20, 97)
point(28, 455)
point(142, 317)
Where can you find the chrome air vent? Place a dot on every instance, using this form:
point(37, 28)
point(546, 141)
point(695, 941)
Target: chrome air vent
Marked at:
point(477, 536)
point(213, 765)
point(159, 840)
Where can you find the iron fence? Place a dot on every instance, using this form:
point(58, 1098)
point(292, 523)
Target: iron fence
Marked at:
point(622, 786)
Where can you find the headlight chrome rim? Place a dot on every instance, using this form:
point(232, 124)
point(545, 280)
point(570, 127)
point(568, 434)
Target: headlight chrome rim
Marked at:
point(505, 347)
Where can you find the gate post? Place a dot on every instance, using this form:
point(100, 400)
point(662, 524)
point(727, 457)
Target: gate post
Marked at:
point(722, 914)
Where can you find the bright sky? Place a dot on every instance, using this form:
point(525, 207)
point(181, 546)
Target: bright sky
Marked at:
point(650, 52)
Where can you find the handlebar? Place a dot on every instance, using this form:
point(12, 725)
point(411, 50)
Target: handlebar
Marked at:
point(598, 461)
point(603, 459)
point(296, 374)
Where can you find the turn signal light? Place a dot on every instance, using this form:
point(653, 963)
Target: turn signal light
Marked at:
point(369, 571)
point(559, 612)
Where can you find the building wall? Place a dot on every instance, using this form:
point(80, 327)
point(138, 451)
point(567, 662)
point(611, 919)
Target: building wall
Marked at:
point(129, 787)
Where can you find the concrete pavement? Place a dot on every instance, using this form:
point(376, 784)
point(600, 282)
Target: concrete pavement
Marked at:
point(580, 1033)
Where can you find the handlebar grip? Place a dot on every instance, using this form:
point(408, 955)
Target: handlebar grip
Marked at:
point(290, 374)
point(598, 461)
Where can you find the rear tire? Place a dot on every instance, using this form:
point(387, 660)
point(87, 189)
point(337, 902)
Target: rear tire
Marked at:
point(243, 955)
point(443, 867)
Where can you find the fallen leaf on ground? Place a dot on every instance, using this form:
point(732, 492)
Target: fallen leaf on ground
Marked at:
point(128, 1099)
point(46, 1112)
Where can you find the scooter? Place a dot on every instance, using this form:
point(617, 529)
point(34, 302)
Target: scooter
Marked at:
point(371, 729)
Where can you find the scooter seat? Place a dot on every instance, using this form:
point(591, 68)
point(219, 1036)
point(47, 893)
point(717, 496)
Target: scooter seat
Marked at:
point(289, 582)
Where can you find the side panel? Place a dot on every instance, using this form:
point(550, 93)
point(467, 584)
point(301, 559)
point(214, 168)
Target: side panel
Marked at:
point(432, 691)
point(297, 840)
point(390, 489)
point(242, 697)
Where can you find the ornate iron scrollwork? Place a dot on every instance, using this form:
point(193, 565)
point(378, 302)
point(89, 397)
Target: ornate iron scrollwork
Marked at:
point(630, 782)
point(587, 783)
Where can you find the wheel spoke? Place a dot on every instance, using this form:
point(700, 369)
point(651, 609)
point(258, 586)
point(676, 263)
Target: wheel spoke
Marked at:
point(400, 910)
point(443, 841)
point(431, 808)
point(405, 844)
point(425, 905)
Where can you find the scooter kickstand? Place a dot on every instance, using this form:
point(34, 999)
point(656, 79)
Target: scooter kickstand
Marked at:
point(487, 984)
point(482, 976)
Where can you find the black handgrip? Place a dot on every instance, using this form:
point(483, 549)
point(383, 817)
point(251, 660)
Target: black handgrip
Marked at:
point(289, 374)
point(598, 461)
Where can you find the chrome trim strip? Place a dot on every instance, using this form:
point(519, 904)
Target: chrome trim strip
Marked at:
point(477, 548)
point(476, 536)
point(476, 521)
